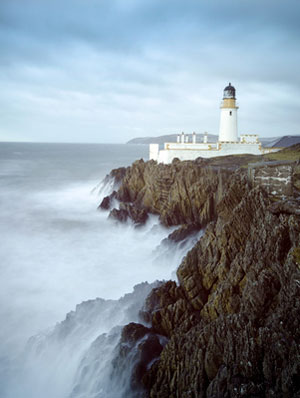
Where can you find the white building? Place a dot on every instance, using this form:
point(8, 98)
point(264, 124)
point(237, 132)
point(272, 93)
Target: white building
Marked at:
point(228, 143)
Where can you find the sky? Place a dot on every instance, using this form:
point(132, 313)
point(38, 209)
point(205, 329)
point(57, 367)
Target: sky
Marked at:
point(106, 71)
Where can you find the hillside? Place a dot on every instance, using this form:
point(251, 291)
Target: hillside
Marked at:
point(287, 141)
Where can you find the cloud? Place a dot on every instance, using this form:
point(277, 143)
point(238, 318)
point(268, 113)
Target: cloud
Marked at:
point(85, 66)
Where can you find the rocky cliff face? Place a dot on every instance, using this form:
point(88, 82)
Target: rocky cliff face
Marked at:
point(232, 323)
point(181, 193)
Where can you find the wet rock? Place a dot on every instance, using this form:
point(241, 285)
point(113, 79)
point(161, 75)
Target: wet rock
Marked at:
point(139, 347)
point(148, 351)
point(181, 193)
point(183, 232)
point(232, 323)
point(107, 201)
point(118, 174)
point(241, 281)
point(136, 213)
point(114, 178)
point(133, 332)
point(119, 215)
point(166, 308)
point(237, 331)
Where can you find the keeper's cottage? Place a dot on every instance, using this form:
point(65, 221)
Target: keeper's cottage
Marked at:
point(228, 144)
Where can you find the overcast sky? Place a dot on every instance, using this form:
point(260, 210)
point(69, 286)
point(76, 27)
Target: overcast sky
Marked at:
point(111, 70)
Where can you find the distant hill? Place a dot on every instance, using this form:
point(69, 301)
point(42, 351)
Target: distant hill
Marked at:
point(287, 141)
point(153, 140)
point(281, 141)
point(169, 138)
point(269, 141)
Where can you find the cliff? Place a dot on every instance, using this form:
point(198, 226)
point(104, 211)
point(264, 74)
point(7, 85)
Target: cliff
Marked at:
point(231, 325)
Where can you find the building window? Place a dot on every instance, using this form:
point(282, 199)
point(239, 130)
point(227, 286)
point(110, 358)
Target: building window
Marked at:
point(230, 113)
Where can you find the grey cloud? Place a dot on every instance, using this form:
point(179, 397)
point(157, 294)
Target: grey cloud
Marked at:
point(162, 62)
point(111, 25)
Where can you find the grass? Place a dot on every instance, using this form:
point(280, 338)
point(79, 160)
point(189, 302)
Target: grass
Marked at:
point(291, 153)
point(241, 161)
point(281, 155)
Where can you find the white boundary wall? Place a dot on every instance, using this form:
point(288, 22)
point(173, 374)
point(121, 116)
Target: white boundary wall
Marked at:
point(193, 151)
point(153, 151)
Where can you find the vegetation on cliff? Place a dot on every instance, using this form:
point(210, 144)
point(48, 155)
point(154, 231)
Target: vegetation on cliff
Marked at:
point(231, 325)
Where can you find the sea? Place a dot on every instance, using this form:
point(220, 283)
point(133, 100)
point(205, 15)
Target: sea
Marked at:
point(70, 276)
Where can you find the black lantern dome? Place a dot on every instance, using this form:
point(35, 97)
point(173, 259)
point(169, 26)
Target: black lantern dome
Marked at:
point(229, 92)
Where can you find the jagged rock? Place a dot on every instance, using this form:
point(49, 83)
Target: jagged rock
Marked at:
point(183, 232)
point(241, 284)
point(138, 348)
point(120, 215)
point(132, 183)
point(133, 332)
point(118, 174)
point(232, 323)
point(114, 178)
point(137, 214)
point(201, 161)
point(107, 201)
point(165, 308)
point(105, 204)
point(285, 206)
point(181, 193)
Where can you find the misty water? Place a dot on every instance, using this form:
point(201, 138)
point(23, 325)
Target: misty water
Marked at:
point(57, 251)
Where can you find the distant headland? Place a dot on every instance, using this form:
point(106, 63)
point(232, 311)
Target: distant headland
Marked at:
point(281, 141)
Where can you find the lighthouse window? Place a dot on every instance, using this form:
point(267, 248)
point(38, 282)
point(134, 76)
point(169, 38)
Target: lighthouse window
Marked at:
point(230, 113)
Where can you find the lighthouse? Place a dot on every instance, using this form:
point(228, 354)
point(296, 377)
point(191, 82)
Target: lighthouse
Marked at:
point(228, 143)
point(228, 122)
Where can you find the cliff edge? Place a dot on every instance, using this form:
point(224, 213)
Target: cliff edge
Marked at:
point(230, 328)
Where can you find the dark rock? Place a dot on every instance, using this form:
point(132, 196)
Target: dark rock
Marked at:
point(105, 204)
point(232, 325)
point(118, 174)
point(114, 178)
point(107, 201)
point(286, 207)
point(133, 332)
point(239, 332)
point(181, 193)
point(138, 348)
point(120, 215)
point(183, 232)
point(148, 350)
point(201, 161)
point(137, 214)
point(165, 308)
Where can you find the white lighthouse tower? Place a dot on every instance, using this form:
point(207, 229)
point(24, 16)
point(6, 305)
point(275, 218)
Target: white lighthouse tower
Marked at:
point(228, 123)
point(228, 143)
